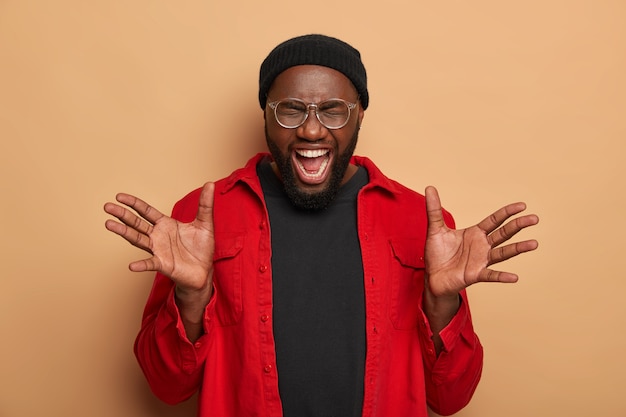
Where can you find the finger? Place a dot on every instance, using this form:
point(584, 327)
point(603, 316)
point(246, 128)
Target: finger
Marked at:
point(492, 222)
point(148, 264)
point(205, 206)
point(144, 209)
point(128, 218)
point(489, 275)
point(131, 235)
point(502, 253)
point(510, 229)
point(433, 210)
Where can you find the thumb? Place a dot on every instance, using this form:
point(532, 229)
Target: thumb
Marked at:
point(205, 205)
point(433, 210)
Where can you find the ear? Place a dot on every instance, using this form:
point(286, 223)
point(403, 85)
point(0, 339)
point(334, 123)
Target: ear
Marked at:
point(361, 115)
point(265, 114)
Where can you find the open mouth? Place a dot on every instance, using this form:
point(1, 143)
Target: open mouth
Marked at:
point(312, 164)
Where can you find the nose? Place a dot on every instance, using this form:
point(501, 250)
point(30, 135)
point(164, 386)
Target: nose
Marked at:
point(312, 130)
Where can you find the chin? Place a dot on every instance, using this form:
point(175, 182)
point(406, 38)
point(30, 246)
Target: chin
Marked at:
point(306, 196)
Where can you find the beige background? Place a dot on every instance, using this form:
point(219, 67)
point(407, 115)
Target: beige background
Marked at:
point(492, 101)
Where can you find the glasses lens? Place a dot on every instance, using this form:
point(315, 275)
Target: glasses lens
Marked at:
point(291, 113)
point(333, 113)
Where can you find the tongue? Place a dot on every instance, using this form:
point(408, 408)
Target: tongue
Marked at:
point(312, 165)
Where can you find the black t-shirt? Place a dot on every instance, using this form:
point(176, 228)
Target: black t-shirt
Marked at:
point(319, 301)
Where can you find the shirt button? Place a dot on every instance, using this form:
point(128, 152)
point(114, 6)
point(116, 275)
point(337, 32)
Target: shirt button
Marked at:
point(262, 225)
point(265, 318)
point(267, 369)
point(263, 268)
point(197, 345)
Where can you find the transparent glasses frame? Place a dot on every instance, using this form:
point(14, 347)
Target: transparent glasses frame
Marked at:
point(315, 106)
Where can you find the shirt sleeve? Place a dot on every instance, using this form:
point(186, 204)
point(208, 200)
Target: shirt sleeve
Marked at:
point(171, 363)
point(452, 377)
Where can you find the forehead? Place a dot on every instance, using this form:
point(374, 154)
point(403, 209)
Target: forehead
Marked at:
point(312, 83)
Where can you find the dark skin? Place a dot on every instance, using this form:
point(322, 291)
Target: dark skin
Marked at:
point(455, 259)
point(313, 84)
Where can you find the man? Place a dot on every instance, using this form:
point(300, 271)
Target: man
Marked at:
point(307, 283)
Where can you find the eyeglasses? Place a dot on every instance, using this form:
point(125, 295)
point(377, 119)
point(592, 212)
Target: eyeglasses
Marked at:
point(291, 113)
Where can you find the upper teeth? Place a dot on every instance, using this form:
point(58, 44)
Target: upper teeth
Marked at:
point(311, 153)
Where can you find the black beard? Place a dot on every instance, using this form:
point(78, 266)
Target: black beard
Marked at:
point(318, 200)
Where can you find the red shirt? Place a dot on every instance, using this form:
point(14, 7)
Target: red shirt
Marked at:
point(234, 365)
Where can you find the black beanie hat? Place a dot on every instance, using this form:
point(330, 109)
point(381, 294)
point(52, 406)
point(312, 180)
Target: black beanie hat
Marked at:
point(314, 50)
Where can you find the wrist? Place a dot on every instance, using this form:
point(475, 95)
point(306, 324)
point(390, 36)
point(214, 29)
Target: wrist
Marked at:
point(192, 294)
point(191, 305)
point(441, 306)
point(192, 302)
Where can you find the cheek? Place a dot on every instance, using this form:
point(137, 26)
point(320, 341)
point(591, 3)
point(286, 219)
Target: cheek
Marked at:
point(279, 136)
point(344, 140)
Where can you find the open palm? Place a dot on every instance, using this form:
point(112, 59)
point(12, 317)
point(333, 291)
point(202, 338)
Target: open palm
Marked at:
point(181, 251)
point(456, 259)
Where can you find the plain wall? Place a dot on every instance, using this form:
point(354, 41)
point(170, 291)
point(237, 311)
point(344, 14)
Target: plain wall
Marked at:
point(491, 101)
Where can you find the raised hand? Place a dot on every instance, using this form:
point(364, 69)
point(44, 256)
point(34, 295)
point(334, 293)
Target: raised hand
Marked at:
point(181, 251)
point(456, 259)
